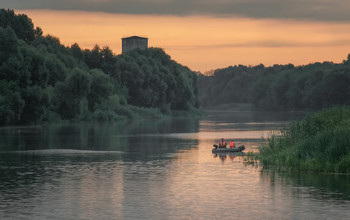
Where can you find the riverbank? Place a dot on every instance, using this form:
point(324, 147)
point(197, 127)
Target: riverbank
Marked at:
point(319, 143)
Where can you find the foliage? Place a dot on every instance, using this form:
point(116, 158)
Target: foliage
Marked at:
point(156, 81)
point(41, 79)
point(11, 103)
point(280, 87)
point(321, 142)
point(21, 24)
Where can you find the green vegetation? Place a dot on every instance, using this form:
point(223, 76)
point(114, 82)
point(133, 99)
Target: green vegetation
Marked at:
point(42, 80)
point(320, 143)
point(278, 88)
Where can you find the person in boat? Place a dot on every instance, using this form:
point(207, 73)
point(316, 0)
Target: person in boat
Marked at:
point(222, 143)
point(232, 145)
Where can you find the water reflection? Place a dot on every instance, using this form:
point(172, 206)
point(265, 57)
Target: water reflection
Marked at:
point(85, 171)
point(228, 155)
point(262, 118)
point(318, 186)
point(124, 136)
point(154, 170)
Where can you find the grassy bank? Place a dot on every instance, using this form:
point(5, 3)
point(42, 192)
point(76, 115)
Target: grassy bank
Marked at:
point(319, 143)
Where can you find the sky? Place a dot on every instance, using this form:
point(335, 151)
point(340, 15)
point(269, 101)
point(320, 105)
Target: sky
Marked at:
point(203, 34)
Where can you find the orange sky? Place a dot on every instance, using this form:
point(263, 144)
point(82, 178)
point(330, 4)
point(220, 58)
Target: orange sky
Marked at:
point(204, 42)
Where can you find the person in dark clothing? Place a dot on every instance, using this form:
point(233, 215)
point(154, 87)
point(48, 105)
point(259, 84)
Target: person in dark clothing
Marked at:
point(222, 143)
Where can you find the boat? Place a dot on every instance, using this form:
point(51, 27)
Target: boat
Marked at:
point(224, 149)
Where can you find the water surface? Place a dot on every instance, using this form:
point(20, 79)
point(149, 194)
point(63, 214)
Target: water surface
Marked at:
point(157, 169)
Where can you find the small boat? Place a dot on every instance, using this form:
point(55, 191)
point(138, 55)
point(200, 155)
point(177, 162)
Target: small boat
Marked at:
point(224, 149)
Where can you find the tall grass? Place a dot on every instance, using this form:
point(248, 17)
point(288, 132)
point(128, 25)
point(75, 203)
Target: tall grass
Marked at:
point(320, 143)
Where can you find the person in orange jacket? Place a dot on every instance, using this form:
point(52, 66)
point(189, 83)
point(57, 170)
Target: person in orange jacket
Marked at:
point(232, 145)
point(222, 143)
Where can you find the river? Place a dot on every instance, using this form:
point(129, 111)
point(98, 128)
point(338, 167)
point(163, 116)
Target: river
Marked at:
point(157, 169)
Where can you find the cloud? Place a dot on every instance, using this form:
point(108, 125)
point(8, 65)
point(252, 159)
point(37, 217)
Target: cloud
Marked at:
point(322, 10)
point(266, 44)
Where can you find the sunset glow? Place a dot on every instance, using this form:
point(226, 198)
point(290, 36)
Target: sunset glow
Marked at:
point(204, 42)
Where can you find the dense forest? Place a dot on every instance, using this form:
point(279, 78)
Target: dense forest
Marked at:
point(43, 80)
point(279, 87)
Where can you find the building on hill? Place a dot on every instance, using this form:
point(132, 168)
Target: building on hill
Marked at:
point(134, 42)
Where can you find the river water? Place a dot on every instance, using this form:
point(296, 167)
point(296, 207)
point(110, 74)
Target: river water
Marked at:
point(157, 169)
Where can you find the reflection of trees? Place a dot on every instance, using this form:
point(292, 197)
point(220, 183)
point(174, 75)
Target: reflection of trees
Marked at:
point(139, 138)
point(27, 177)
point(252, 116)
point(319, 186)
point(94, 136)
point(146, 138)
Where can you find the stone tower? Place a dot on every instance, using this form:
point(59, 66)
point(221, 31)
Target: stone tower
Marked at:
point(134, 42)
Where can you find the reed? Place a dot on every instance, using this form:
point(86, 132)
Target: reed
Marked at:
point(321, 143)
point(251, 158)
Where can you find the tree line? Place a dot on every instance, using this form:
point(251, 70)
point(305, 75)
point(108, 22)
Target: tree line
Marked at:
point(279, 87)
point(43, 80)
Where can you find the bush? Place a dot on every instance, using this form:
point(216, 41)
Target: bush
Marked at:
point(321, 142)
